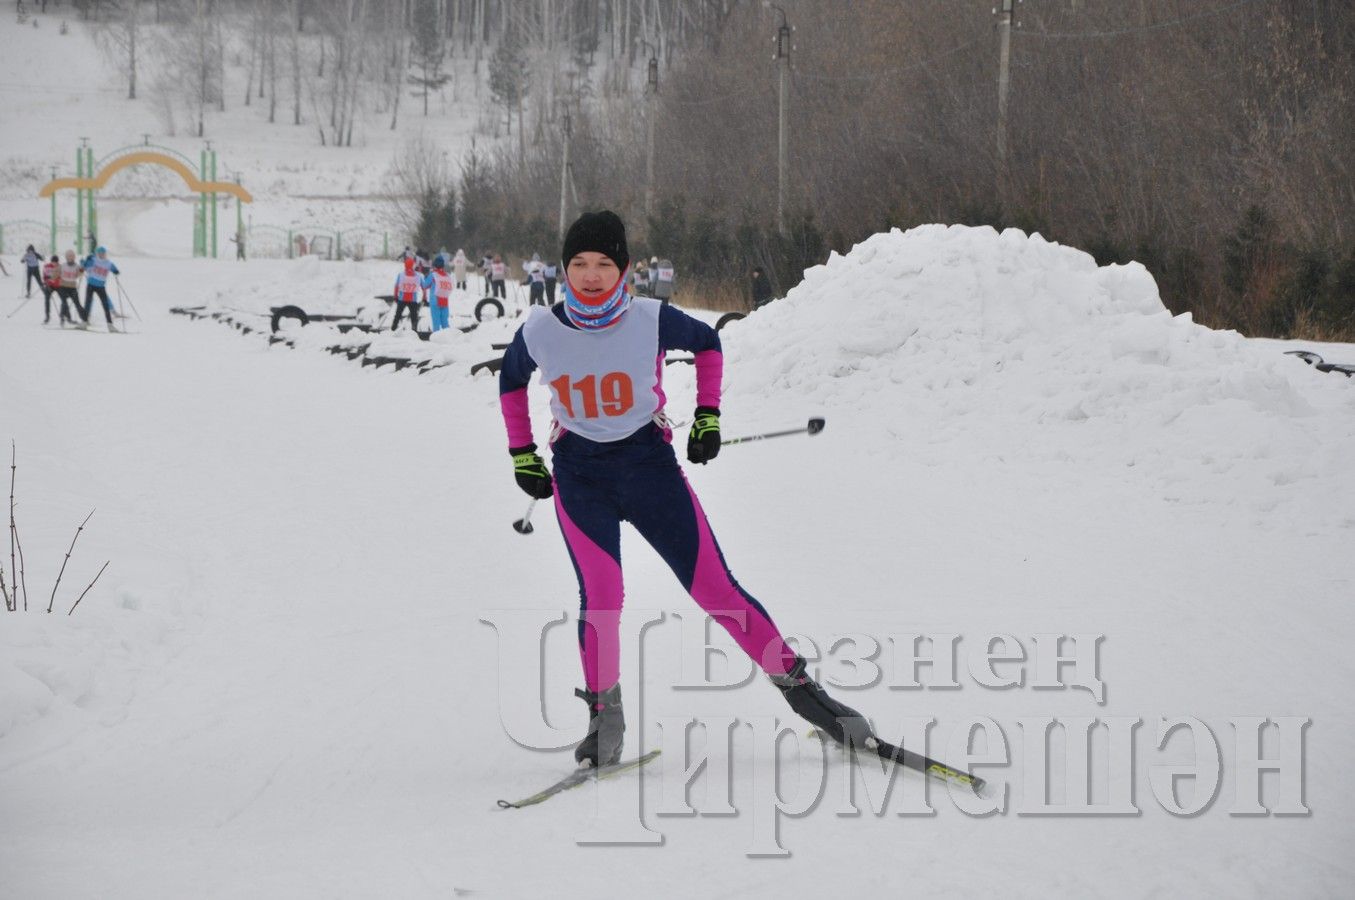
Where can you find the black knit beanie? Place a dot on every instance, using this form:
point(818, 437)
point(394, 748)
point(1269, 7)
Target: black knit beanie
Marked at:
point(602, 232)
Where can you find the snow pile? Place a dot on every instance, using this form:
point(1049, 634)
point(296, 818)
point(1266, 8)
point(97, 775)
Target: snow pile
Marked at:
point(318, 286)
point(975, 343)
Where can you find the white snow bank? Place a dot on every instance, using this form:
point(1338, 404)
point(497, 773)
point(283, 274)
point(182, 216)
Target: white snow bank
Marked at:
point(966, 342)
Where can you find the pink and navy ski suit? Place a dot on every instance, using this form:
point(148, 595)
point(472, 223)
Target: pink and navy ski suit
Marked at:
point(614, 461)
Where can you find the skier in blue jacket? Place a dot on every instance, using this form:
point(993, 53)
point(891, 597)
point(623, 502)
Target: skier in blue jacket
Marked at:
point(97, 266)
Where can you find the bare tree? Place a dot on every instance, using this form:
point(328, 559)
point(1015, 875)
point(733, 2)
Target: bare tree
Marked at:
point(118, 38)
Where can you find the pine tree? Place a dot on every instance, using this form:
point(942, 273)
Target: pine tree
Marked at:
point(427, 53)
point(508, 76)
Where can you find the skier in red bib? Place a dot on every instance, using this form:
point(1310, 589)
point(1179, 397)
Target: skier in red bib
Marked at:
point(407, 286)
point(601, 352)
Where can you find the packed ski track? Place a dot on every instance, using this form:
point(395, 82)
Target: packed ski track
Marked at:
point(284, 684)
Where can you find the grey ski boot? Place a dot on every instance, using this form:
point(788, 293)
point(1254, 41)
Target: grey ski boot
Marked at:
point(606, 728)
point(839, 721)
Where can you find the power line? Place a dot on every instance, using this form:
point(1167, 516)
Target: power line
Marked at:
point(1134, 29)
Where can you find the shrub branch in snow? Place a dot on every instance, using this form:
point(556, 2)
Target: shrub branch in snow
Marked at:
point(86, 590)
point(68, 559)
point(12, 592)
point(21, 583)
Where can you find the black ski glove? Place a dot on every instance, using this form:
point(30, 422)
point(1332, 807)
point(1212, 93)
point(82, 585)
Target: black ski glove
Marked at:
point(531, 473)
point(703, 442)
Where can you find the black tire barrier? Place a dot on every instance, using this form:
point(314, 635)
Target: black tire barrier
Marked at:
point(491, 366)
point(288, 312)
point(488, 303)
point(1318, 363)
point(727, 318)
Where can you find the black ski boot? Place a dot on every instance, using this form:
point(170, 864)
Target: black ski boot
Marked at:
point(606, 728)
point(840, 722)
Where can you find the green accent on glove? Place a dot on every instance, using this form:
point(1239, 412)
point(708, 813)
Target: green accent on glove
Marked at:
point(529, 464)
point(531, 473)
point(703, 441)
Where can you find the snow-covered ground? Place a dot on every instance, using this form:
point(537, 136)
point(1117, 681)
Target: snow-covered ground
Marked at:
point(285, 683)
point(285, 686)
point(58, 88)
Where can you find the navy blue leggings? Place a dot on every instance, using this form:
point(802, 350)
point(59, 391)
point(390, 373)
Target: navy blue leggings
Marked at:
point(638, 480)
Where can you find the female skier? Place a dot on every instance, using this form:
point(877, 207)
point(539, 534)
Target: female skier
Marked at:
point(601, 353)
point(459, 266)
point(33, 263)
point(97, 266)
point(408, 285)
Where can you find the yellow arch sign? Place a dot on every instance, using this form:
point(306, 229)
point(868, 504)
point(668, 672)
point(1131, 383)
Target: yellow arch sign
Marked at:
point(195, 184)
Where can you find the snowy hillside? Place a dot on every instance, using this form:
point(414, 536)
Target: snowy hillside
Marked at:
point(58, 88)
point(284, 685)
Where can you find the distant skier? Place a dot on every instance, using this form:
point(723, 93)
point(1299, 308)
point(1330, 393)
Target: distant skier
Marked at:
point(762, 288)
point(33, 263)
point(438, 285)
point(97, 266)
point(664, 281)
point(51, 284)
point(486, 260)
point(459, 266)
point(536, 280)
point(407, 286)
point(552, 273)
point(68, 287)
point(498, 272)
point(614, 461)
point(639, 279)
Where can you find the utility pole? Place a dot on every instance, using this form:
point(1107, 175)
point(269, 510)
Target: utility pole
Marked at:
point(564, 177)
point(783, 70)
point(653, 90)
point(1004, 28)
point(80, 193)
point(54, 193)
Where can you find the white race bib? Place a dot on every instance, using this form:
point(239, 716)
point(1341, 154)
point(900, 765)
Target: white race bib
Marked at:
point(604, 384)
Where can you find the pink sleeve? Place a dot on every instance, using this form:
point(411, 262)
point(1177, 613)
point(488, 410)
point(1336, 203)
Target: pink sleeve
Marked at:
point(710, 368)
point(516, 417)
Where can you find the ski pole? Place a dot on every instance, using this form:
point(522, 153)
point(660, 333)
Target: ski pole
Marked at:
point(19, 307)
point(814, 427)
point(121, 293)
point(524, 525)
